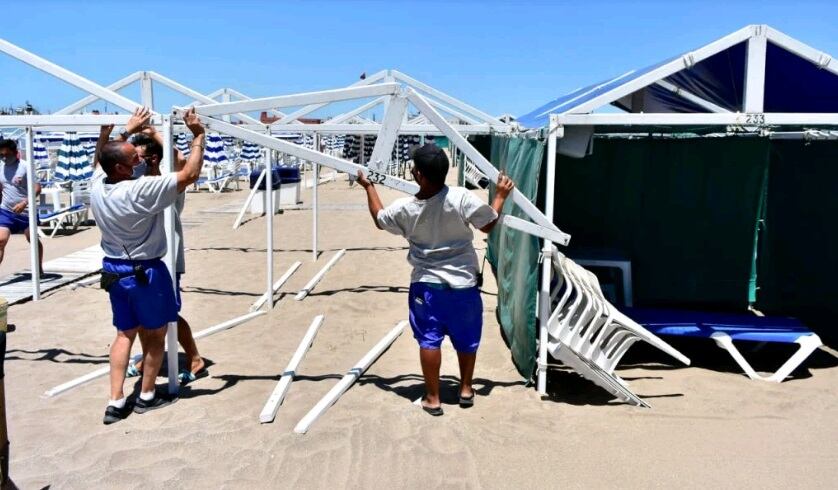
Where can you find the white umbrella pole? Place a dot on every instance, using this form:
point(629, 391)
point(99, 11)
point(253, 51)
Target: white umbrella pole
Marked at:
point(315, 181)
point(33, 218)
point(269, 209)
point(171, 257)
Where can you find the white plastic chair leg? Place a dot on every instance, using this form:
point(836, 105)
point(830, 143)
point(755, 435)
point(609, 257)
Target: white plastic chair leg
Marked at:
point(807, 343)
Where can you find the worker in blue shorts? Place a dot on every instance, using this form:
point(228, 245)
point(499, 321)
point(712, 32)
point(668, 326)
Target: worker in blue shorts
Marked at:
point(444, 296)
point(129, 206)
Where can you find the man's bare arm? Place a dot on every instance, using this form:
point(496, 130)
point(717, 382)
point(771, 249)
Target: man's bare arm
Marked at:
point(190, 172)
point(373, 201)
point(503, 188)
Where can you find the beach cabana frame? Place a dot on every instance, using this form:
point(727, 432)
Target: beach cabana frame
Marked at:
point(575, 110)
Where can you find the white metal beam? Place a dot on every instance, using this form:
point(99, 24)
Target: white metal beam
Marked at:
point(180, 88)
point(664, 71)
point(304, 153)
point(67, 76)
point(710, 106)
point(417, 85)
point(241, 96)
point(92, 120)
point(444, 108)
point(268, 413)
point(349, 379)
point(754, 89)
point(322, 97)
point(374, 128)
point(819, 58)
point(728, 119)
point(341, 118)
point(86, 101)
point(308, 288)
point(479, 161)
point(308, 109)
point(278, 284)
point(391, 123)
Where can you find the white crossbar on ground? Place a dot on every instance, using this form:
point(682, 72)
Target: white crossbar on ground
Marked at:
point(268, 413)
point(319, 276)
point(278, 284)
point(349, 378)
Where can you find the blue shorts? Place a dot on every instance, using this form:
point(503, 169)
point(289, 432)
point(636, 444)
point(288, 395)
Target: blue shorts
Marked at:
point(16, 223)
point(151, 306)
point(437, 311)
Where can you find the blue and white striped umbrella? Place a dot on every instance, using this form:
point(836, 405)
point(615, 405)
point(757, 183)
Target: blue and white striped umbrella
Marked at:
point(73, 161)
point(40, 156)
point(251, 152)
point(182, 144)
point(214, 154)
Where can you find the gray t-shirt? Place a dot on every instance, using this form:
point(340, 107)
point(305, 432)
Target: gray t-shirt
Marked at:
point(130, 213)
point(437, 229)
point(13, 182)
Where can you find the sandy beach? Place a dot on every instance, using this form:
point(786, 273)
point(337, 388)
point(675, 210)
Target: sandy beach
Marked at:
point(709, 425)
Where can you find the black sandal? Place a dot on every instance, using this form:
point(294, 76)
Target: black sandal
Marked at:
point(434, 411)
point(467, 401)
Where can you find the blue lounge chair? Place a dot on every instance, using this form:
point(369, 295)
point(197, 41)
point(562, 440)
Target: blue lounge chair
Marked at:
point(57, 219)
point(725, 328)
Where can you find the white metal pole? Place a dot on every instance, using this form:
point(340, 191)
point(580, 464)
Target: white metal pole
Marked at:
point(35, 265)
point(268, 413)
point(547, 262)
point(309, 287)
point(171, 256)
point(249, 200)
point(269, 210)
point(314, 211)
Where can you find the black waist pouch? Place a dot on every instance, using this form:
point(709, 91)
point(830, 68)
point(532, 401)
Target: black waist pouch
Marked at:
point(108, 279)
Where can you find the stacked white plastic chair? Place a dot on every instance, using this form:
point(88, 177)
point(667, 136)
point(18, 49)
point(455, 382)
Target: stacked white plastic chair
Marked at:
point(588, 334)
point(474, 176)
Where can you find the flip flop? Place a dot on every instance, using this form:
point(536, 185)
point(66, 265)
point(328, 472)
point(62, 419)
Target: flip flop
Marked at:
point(185, 376)
point(132, 371)
point(434, 411)
point(467, 401)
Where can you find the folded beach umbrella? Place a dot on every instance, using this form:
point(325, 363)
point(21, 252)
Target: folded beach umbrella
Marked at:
point(182, 144)
point(215, 155)
point(40, 156)
point(251, 152)
point(73, 161)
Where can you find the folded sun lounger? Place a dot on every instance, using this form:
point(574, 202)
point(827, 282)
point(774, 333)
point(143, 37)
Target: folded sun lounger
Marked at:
point(726, 328)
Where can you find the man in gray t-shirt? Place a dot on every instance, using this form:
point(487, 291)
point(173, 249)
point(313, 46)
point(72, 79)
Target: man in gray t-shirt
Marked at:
point(14, 212)
point(444, 298)
point(128, 206)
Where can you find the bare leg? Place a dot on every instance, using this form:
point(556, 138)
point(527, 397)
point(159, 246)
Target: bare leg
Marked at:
point(4, 239)
point(153, 356)
point(466, 372)
point(143, 341)
point(185, 339)
point(431, 360)
point(120, 352)
point(40, 251)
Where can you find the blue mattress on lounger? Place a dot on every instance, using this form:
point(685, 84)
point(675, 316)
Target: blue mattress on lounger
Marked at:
point(687, 323)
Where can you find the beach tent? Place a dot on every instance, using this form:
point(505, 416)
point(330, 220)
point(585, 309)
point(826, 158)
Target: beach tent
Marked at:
point(73, 160)
point(653, 182)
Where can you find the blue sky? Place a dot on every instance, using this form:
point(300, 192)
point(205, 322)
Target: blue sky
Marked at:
point(498, 56)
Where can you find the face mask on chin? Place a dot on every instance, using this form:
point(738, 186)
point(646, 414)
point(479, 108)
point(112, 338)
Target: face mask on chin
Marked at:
point(9, 160)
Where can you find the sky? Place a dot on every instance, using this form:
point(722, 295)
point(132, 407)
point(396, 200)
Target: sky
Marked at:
point(499, 56)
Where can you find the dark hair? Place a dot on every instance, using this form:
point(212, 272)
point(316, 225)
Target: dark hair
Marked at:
point(152, 147)
point(111, 154)
point(432, 162)
point(9, 145)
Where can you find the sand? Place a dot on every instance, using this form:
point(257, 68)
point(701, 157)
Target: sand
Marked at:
point(709, 426)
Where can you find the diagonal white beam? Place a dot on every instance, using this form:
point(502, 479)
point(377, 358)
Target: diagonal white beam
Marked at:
point(313, 107)
point(417, 85)
point(360, 110)
point(663, 71)
point(236, 93)
point(390, 125)
point(67, 76)
point(86, 101)
point(480, 162)
point(459, 115)
point(303, 153)
point(691, 97)
point(321, 97)
point(183, 89)
point(821, 59)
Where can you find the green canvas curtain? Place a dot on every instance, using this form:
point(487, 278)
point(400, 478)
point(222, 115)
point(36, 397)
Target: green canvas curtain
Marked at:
point(514, 255)
point(685, 212)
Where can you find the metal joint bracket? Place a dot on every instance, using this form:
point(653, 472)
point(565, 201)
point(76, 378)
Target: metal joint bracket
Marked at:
point(824, 60)
point(689, 60)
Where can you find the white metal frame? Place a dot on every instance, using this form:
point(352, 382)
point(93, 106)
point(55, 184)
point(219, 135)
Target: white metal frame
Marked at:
point(757, 37)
